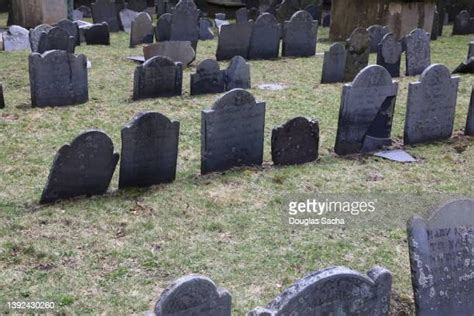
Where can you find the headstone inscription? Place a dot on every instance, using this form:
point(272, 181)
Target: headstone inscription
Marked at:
point(16, 38)
point(71, 28)
point(418, 52)
point(177, 51)
point(208, 78)
point(141, 30)
point(470, 117)
point(389, 54)
point(265, 38)
point(334, 64)
point(35, 35)
point(237, 75)
point(97, 34)
point(357, 57)
point(106, 11)
point(376, 33)
point(234, 40)
point(56, 39)
point(299, 35)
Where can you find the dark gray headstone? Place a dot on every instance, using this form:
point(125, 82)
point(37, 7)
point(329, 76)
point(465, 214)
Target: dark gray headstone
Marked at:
point(326, 19)
point(418, 52)
point(237, 75)
point(149, 151)
point(205, 30)
point(241, 15)
point(71, 28)
point(315, 12)
point(194, 295)
point(470, 52)
point(208, 78)
point(234, 40)
point(185, 22)
point(176, 51)
point(232, 132)
point(299, 35)
point(287, 9)
point(442, 260)
point(435, 28)
point(35, 35)
point(431, 106)
point(58, 78)
point(334, 64)
point(265, 38)
point(97, 34)
point(389, 54)
point(158, 77)
point(82, 168)
point(163, 28)
point(295, 142)
point(376, 33)
point(334, 291)
point(141, 30)
point(106, 11)
point(56, 38)
point(470, 117)
point(462, 23)
point(126, 18)
point(16, 38)
point(86, 11)
point(2, 98)
point(137, 5)
point(466, 67)
point(357, 58)
point(366, 114)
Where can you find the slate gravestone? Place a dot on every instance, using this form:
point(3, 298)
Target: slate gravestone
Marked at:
point(390, 54)
point(149, 151)
point(442, 260)
point(86, 11)
point(141, 30)
point(470, 117)
point(241, 15)
point(376, 33)
point(232, 132)
point(357, 57)
point(237, 75)
point(334, 64)
point(208, 78)
point(194, 295)
point(71, 28)
point(16, 38)
point(295, 142)
point(334, 291)
point(176, 51)
point(126, 18)
point(82, 168)
point(205, 30)
point(97, 34)
point(158, 77)
point(2, 98)
point(265, 38)
point(418, 52)
point(462, 23)
point(466, 67)
point(58, 78)
point(470, 52)
point(299, 36)
point(234, 40)
point(431, 106)
point(366, 113)
point(56, 38)
point(185, 22)
point(315, 12)
point(137, 5)
point(163, 28)
point(35, 35)
point(435, 28)
point(106, 11)
point(287, 9)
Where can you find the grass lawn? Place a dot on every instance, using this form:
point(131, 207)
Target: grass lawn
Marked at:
point(116, 253)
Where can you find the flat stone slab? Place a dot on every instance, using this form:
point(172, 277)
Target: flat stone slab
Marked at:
point(177, 51)
point(272, 86)
point(397, 155)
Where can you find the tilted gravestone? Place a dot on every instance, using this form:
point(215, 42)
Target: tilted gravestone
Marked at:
point(71, 28)
point(234, 40)
point(299, 35)
point(163, 28)
point(357, 57)
point(149, 151)
point(205, 30)
point(82, 168)
point(58, 78)
point(389, 54)
point(126, 18)
point(334, 291)
point(431, 106)
point(295, 142)
point(141, 30)
point(232, 132)
point(56, 38)
point(442, 260)
point(106, 11)
point(237, 75)
point(158, 77)
point(2, 98)
point(176, 51)
point(435, 28)
point(470, 117)
point(194, 295)
point(376, 33)
point(265, 38)
point(185, 22)
point(418, 52)
point(241, 15)
point(35, 35)
point(97, 34)
point(462, 23)
point(208, 78)
point(16, 38)
point(137, 5)
point(334, 64)
point(366, 113)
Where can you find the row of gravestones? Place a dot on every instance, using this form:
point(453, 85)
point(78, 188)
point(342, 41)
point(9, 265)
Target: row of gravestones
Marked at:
point(463, 24)
point(441, 251)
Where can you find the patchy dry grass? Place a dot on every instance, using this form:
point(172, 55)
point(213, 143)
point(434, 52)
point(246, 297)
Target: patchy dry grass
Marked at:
point(115, 253)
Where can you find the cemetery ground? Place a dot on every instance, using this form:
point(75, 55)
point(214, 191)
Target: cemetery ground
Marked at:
point(116, 253)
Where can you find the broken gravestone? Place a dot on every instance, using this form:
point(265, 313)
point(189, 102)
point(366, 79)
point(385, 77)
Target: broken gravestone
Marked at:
point(334, 64)
point(389, 54)
point(470, 117)
point(376, 33)
point(265, 38)
point(237, 75)
point(357, 57)
point(16, 38)
point(141, 31)
point(97, 34)
point(56, 38)
point(177, 51)
point(208, 78)
point(234, 40)
point(299, 35)
point(418, 52)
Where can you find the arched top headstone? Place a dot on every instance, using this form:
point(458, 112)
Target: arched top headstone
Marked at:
point(464, 14)
point(265, 19)
point(185, 5)
point(301, 16)
point(234, 98)
point(143, 17)
point(337, 48)
point(436, 75)
point(51, 55)
point(391, 49)
point(453, 213)
point(208, 66)
point(372, 76)
point(147, 118)
point(359, 40)
point(417, 35)
point(35, 35)
point(158, 61)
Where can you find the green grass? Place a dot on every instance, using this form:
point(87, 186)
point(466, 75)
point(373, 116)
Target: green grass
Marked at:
point(116, 253)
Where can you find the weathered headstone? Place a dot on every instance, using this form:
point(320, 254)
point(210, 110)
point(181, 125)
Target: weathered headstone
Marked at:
point(208, 78)
point(470, 52)
point(334, 64)
point(71, 28)
point(232, 132)
point(265, 38)
point(176, 51)
point(149, 151)
point(16, 38)
point(418, 52)
point(185, 22)
point(126, 18)
point(241, 15)
point(106, 11)
point(205, 30)
point(435, 28)
point(366, 113)
point(376, 33)
point(470, 117)
point(97, 34)
point(163, 28)
point(35, 35)
point(158, 77)
point(295, 142)
point(86, 11)
point(137, 5)
point(141, 30)
point(234, 40)
point(56, 38)
point(334, 291)
point(431, 106)
point(299, 35)
point(389, 54)
point(58, 78)
point(315, 12)
point(357, 57)
point(194, 295)
point(286, 9)
point(237, 75)
point(77, 15)
point(462, 23)
point(442, 260)
point(2, 98)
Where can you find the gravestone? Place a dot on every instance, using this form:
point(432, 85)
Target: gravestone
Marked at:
point(462, 23)
point(220, 16)
point(418, 52)
point(16, 38)
point(376, 33)
point(299, 36)
point(295, 142)
point(141, 30)
point(466, 67)
point(287, 9)
point(149, 151)
point(2, 98)
point(232, 132)
point(265, 38)
point(237, 75)
point(77, 15)
point(389, 54)
point(431, 106)
point(470, 52)
point(97, 34)
point(435, 28)
point(470, 117)
point(71, 28)
point(58, 78)
point(442, 260)
point(82, 168)
point(366, 113)
point(86, 11)
point(234, 40)
point(315, 12)
point(334, 64)
point(56, 39)
point(106, 11)
point(158, 77)
point(326, 19)
point(137, 5)
point(163, 28)
point(194, 295)
point(185, 22)
point(205, 30)
point(208, 78)
point(126, 18)
point(334, 291)
point(176, 51)
point(357, 57)
point(253, 14)
point(241, 15)
point(35, 35)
